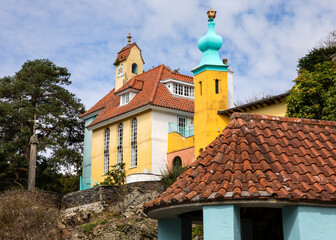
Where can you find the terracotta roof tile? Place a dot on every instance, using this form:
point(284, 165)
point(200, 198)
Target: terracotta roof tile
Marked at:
point(124, 52)
point(151, 91)
point(262, 157)
point(110, 97)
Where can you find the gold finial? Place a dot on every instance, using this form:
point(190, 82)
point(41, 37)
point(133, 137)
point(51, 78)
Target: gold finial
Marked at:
point(129, 37)
point(211, 14)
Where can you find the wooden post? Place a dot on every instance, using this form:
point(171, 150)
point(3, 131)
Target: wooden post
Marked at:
point(32, 160)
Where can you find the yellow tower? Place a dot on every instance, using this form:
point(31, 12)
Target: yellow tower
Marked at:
point(213, 88)
point(129, 63)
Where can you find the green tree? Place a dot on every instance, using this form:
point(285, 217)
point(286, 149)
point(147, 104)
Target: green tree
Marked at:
point(314, 93)
point(39, 89)
point(116, 176)
point(315, 56)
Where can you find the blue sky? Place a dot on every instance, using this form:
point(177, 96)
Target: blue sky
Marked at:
point(262, 39)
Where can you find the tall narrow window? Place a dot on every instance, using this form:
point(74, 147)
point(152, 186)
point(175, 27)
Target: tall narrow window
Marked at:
point(134, 144)
point(216, 86)
point(120, 144)
point(106, 150)
point(200, 84)
point(182, 124)
point(135, 68)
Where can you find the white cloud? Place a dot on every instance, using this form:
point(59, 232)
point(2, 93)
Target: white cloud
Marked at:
point(263, 40)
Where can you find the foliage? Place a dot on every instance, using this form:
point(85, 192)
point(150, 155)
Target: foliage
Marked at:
point(197, 231)
point(116, 176)
point(171, 174)
point(315, 56)
point(27, 217)
point(39, 89)
point(314, 93)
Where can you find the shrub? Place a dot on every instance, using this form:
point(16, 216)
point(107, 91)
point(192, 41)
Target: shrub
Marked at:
point(116, 176)
point(170, 175)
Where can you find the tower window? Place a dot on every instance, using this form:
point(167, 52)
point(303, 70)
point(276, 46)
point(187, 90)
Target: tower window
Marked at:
point(134, 143)
point(217, 86)
point(120, 144)
point(200, 84)
point(106, 150)
point(135, 68)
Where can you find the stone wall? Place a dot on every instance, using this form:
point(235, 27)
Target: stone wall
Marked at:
point(100, 195)
point(106, 194)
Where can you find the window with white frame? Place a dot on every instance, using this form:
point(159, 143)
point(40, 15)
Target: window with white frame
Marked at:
point(183, 90)
point(134, 143)
point(125, 98)
point(106, 150)
point(120, 144)
point(182, 125)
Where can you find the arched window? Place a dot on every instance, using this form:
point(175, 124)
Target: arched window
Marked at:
point(177, 162)
point(120, 143)
point(106, 150)
point(135, 68)
point(134, 143)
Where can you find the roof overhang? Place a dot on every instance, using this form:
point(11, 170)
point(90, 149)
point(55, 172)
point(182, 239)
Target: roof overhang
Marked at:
point(169, 80)
point(90, 115)
point(127, 90)
point(137, 111)
point(255, 105)
point(174, 211)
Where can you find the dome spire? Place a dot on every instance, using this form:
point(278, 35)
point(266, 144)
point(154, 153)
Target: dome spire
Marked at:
point(209, 46)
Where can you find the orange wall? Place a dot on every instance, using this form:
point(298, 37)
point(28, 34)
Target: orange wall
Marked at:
point(187, 156)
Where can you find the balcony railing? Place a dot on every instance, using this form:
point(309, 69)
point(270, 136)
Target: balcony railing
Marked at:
point(86, 183)
point(185, 132)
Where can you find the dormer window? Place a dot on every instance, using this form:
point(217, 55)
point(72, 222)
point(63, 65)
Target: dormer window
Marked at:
point(125, 99)
point(183, 90)
point(180, 88)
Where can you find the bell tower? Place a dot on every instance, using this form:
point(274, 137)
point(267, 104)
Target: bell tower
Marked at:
point(129, 63)
point(213, 88)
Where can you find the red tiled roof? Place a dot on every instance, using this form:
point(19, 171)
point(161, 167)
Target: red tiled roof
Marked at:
point(133, 83)
point(259, 157)
point(101, 104)
point(152, 92)
point(124, 52)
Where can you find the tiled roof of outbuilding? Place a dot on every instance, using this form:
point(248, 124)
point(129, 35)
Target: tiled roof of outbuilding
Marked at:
point(260, 157)
point(152, 92)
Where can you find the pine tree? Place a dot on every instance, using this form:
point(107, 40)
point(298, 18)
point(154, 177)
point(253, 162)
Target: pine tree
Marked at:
point(39, 88)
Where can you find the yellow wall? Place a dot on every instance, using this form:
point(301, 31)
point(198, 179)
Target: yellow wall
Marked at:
point(176, 142)
point(208, 124)
point(133, 57)
point(144, 121)
point(278, 109)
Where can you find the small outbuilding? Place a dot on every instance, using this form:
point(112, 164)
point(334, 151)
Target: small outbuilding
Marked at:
point(263, 177)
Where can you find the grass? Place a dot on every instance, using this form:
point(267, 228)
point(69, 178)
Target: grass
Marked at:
point(26, 216)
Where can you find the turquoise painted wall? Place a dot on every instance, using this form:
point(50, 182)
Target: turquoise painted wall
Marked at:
point(309, 223)
point(221, 222)
point(86, 172)
point(174, 228)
